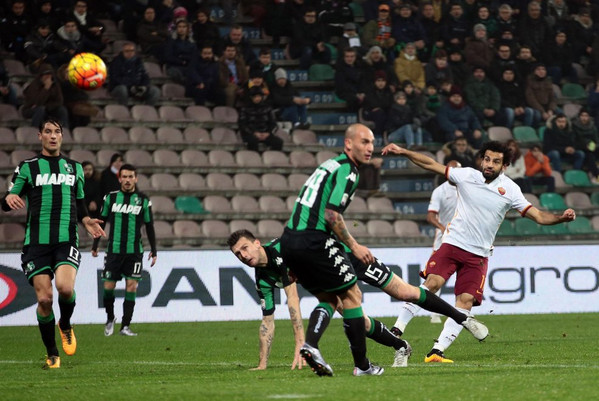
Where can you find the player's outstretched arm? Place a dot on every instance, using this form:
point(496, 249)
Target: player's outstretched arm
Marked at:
point(266, 335)
point(295, 316)
point(548, 219)
point(337, 224)
point(418, 159)
point(93, 226)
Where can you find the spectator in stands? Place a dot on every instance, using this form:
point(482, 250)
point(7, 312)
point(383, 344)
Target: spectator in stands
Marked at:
point(109, 178)
point(179, 14)
point(505, 19)
point(349, 84)
point(242, 44)
point(525, 64)
point(165, 11)
point(350, 38)
point(533, 30)
point(559, 143)
point(479, 50)
point(257, 123)
point(484, 17)
point(43, 46)
point(377, 32)
point(8, 93)
point(372, 7)
point(581, 33)
point(401, 124)
point(415, 99)
point(432, 27)
point(43, 99)
point(333, 14)
point(483, 97)
point(587, 139)
point(308, 41)
point(179, 52)
point(517, 167)
point(456, 27)
point(266, 64)
point(513, 103)
point(460, 71)
point(375, 61)
point(256, 79)
point(76, 41)
point(204, 30)
point(377, 102)
point(15, 27)
point(92, 189)
point(46, 11)
point(593, 102)
point(233, 74)
point(76, 100)
point(202, 79)
point(292, 106)
point(539, 93)
point(460, 151)
point(408, 67)
point(558, 14)
point(152, 34)
point(503, 59)
point(438, 70)
point(558, 57)
point(538, 168)
point(88, 24)
point(127, 77)
point(407, 28)
point(456, 119)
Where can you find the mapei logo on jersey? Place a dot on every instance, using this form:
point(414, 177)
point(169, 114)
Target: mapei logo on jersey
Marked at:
point(501, 190)
point(124, 208)
point(13, 282)
point(54, 179)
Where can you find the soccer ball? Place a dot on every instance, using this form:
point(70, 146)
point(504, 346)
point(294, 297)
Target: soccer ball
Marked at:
point(86, 71)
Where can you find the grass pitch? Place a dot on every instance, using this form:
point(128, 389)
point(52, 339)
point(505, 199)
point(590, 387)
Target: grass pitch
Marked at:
point(526, 357)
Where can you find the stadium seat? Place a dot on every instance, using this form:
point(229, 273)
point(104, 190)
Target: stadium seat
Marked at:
point(3, 184)
point(199, 114)
point(163, 229)
point(144, 113)
point(577, 178)
point(114, 135)
point(524, 134)
point(245, 204)
point(275, 158)
point(217, 204)
point(18, 155)
point(117, 112)
point(12, 232)
point(166, 157)
point(235, 225)
point(577, 200)
point(290, 202)
point(169, 135)
point(300, 158)
point(248, 158)
point(595, 198)
point(15, 68)
point(82, 155)
point(192, 182)
point(247, 182)
point(270, 228)
point(571, 110)
point(321, 72)
point(189, 204)
point(556, 229)
point(406, 228)
point(196, 135)
point(304, 137)
point(225, 114)
point(27, 135)
point(284, 135)
point(380, 205)
point(272, 204)
point(581, 225)
point(559, 180)
point(595, 223)
point(162, 204)
point(154, 70)
point(296, 181)
point(557, 92)
point(215, 229)
point(142, 135)
point(164, 182)
point(187, 229)
point(143, 182)
point(138, 157)
point(194, 158)
point(527, 227)
point(221, 158)
point(357, 9)
point(173, 91)
point(86, 135)
point(325, 155)
point(357, 205)
point(533, 199)
point(501, 134)
point(380, 228)
point(552, 201)
point(573, 91)
point(358, 229)
point(103, 156)
point(5, 160)
point(274, 182)
point(224, 136)
point(506, 229)
point(7, 136)
point(541, 131)
point(172, 114)
point(8, 112)
point(219, 181)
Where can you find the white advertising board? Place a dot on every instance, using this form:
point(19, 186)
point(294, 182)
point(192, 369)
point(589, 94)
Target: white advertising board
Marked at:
point(214, 285)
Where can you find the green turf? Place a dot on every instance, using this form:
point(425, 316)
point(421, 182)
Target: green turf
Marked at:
point(526, 357)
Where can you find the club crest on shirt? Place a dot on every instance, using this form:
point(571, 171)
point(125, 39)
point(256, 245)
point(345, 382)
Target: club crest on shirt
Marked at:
point(432, 264)
point(68, 168)
point(501, 190)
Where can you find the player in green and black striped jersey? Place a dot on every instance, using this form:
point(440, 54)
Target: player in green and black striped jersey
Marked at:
point(271, 273)
point(53, 188)
point(127, 211)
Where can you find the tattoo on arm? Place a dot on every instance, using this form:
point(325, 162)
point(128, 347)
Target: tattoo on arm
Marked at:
point(337, 224)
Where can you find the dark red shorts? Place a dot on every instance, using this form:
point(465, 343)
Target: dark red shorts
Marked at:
point(471, 270)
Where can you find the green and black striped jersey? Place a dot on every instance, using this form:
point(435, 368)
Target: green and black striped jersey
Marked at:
point(331, 186)
point(274, 274)
point(51, 186)
point(126, 212)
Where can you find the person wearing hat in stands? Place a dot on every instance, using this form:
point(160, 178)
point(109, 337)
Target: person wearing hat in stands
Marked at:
point(408, 67)
point(375, 61)
point(479, 50)
point(513, 103)
point(292, 107)
point(456, 119)
point(539, 93)
point(256, 80)
point(377, 32)
point(350, 38)
point(43, 99)
point(483, 96)
point(377, 103)
point(257, 124)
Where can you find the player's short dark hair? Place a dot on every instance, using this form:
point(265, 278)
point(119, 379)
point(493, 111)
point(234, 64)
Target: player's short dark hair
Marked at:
point(128, 167)
point(50, 121)
point(239, 234)
point(498, 147)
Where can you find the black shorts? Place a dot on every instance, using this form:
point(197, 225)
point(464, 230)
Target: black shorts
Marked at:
point(117, 266)
point(318, 261)
point(377, 274)
point(44, 259)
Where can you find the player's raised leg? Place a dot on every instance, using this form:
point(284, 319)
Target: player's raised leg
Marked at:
point(65, 285)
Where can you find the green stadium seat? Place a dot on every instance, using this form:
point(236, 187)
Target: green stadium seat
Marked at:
point(357, 9)
point(578, 178)
point(525, 226)
point(333, 49)
point(552, 201)
point(189, 204)
point(581, 225)
point(573, 91)
point(541, 131)
point(595, 198)
point(525, 134)
point(506, 229)
point(556, 229)
point(321, 72)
